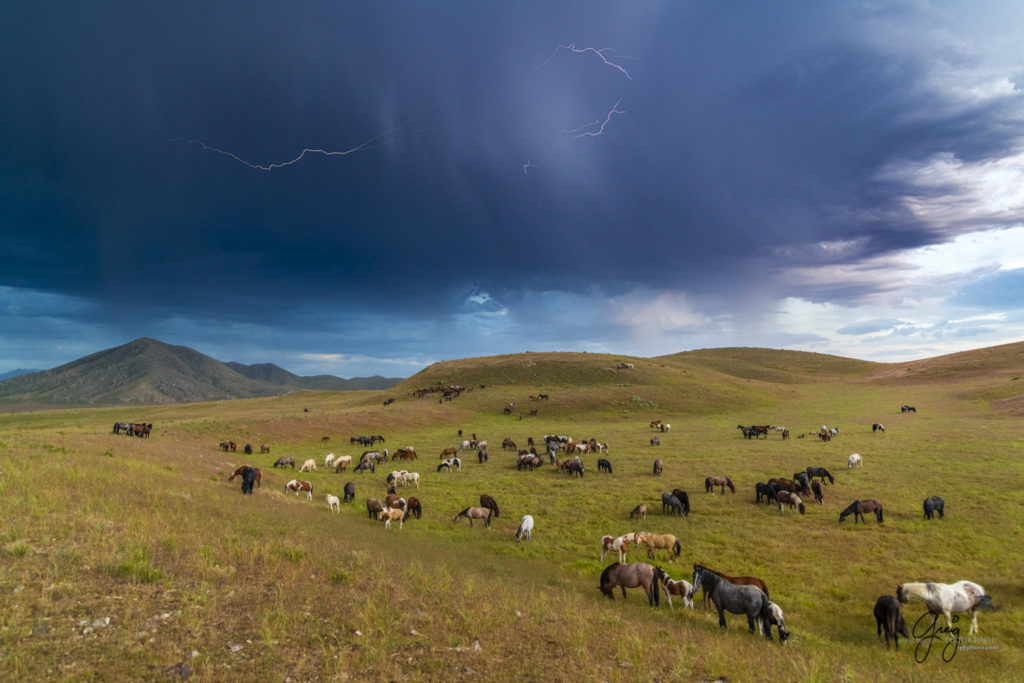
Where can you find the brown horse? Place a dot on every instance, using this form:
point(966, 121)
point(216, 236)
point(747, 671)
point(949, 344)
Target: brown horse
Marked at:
point(711, 482)
point(858, 507)
point(737, 580)
point(487, 502)
point(659, 466)
point(449, 452)
point(790, 499)
point(780, 482)
point(640, 511)
point(415, 508)
point(407, 453)
point(264, 448)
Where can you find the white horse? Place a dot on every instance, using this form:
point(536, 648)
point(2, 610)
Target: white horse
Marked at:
point(464, 446)
point(525, 529)
point(329, 460)
point(333, 503)
point(947, 598)
point(308, 466)
point(854, 461)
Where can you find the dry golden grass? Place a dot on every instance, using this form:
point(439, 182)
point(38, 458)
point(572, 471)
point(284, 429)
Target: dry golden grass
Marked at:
point(149, 534)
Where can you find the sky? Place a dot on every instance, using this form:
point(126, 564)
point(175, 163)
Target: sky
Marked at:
point(359, 188)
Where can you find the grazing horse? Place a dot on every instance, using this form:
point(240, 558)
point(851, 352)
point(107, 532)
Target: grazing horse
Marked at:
point(350, 493)
point(620, 544)
point(487, 502)
point(684, 499)
point(908, 409)
point(123, 427)
point(472, 513)
point(284, 461)
point(333, 503)
point(250, 476)
point(248, 449)
point(659, 466)
point(264, 448)
point(889, 618)
point(660, 542)
point(413, 507)
point(711, 482)
point(763, 490)
point(449, 464)
point(373, 506)
point(816, 488)
point(296, 486)
point(932, 505)
point(947, 598)
point(757, 431)
point(783, 483)
point(655, 424)
point(791, 499)
point(737, 599)
point(481, 455)
point(802, 482)
point(449, 452)
point(576, 468)
point(389, 514)
point(671, 505)
point(655, 441)
point(858, 507)
point(640, 511)
point(342, 462)
point(329, 460)
point(525, 529)
point(813, 472)
point(630, 575)
point(737, 580)
point(407, 453)
point(854, 461)
point(365, 464)
point(777, 619)
point(682, 588)
point(877, 427)
point(603, 465)
point(308, 466)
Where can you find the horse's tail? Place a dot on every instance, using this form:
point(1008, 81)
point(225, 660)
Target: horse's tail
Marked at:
point(707, 484)
point(677, 548)
point(765, 617)
point(880, 519)
point(657, 597)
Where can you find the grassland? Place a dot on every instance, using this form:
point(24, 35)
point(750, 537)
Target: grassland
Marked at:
point(150, 535)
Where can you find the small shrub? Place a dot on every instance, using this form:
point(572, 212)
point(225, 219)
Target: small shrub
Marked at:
point(340, 577)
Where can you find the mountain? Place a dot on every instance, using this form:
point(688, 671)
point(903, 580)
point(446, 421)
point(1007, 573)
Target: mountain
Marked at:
point(272, 374)
point(150, 372)
point(15, 373)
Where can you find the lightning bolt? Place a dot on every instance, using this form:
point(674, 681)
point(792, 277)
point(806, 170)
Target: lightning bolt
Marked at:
point(581, 50)
point(379, 140)
point(580, 132)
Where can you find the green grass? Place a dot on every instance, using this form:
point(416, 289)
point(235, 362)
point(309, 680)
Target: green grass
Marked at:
point(150, 534)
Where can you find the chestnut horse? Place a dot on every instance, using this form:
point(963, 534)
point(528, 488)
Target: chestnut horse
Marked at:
point(858, 507)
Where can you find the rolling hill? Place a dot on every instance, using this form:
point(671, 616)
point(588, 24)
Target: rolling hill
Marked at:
point(150, 372)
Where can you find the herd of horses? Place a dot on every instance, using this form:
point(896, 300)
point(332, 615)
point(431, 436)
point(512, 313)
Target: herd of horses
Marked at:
point(743, 595)
point(139, 429)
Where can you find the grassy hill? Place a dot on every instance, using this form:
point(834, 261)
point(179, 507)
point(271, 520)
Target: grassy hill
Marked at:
point(150, 372)
point(271, 586)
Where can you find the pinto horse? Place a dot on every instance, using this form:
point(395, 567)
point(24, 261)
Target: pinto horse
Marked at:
point(791, 499)
point(711, 482)
point(858, 507)
point(630, 575)
point(620, 544)
point(296, 486)
point(682, 588)
point(738, 599)
point(472, 513)
point(660, 542)
point(947, 598)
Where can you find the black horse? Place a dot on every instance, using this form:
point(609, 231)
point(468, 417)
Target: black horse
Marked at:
point(249, 476)
point(350, 492)
point(803, 483)
point(890, 619)
point(813, 472)
point(603, 465)
point(575, 468)
point(763, 490)
point(487, 502)
point(816, 488)
point(932, 505)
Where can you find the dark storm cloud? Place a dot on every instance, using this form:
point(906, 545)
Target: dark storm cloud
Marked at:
point(753, 137)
